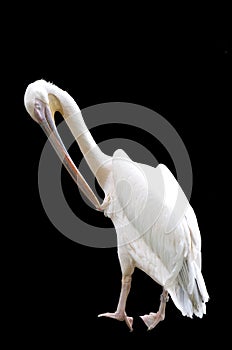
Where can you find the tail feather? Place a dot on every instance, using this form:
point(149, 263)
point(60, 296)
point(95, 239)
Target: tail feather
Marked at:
point(189, 292)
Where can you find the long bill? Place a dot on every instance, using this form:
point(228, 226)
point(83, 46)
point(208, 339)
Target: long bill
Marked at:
point(45, 119)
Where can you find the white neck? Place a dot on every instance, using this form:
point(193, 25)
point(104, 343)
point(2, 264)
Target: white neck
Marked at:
point(98, 162)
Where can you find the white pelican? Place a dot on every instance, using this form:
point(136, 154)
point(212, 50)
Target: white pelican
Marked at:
point(157, 230)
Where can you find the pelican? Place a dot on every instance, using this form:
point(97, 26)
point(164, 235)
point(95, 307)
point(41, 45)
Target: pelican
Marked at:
point(157, 229)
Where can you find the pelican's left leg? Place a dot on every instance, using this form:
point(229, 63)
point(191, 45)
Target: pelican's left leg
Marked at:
point(153, 319)
point(127, 268)
point(120, 313)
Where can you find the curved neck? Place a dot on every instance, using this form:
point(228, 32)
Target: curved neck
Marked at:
point(98, 161)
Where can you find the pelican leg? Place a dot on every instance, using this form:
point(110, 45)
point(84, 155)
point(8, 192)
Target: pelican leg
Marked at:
point(153, 319)
point(120, 313)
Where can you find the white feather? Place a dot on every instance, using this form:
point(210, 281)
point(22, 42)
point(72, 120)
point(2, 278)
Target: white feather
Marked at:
point(157, 228)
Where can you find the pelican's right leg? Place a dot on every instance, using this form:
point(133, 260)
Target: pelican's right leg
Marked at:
point(153, 318)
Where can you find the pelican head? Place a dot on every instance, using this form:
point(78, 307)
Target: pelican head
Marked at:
point(42, 99)
point(35, 95)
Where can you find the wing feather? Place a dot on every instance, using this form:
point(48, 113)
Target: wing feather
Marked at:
point(160, 227)
point(147, 197)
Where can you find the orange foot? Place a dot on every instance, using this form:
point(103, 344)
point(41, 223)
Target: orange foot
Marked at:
point(152, 319)
point(120, 317)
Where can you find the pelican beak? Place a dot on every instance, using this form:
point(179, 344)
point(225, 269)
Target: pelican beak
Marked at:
point(44, 117)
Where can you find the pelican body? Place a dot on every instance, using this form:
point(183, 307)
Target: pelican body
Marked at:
point(157, 229)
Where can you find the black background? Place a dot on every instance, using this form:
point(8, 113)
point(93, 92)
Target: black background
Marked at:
point(57, 287)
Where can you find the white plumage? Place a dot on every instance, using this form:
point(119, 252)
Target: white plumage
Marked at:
point(157, 230)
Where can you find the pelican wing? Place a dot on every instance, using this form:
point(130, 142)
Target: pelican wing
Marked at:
point(161, 230)
point(155, 209)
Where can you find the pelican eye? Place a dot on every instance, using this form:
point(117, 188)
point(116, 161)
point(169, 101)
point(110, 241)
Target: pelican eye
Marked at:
point(37, 106)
